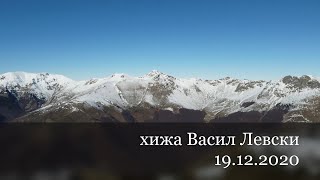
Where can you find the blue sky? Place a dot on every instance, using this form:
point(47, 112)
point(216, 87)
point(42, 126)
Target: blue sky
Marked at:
point(256, 39)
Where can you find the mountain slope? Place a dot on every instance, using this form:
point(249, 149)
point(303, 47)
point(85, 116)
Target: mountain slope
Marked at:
point(156, 97)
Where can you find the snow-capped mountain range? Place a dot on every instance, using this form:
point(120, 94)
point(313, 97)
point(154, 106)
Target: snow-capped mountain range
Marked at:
point(119, 97)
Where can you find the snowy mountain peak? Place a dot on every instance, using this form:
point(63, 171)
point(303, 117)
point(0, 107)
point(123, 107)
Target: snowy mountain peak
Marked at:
point(159, 76)
point(156, 73)
point(159, 90)
point(17, 76)
point(42, 85)
point(301, 82)
point(25, 78)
